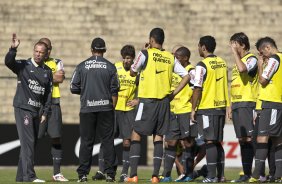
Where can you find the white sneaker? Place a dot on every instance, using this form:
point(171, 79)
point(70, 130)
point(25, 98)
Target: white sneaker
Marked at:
point(59, 177)
point(180, 177)
point(38, 181)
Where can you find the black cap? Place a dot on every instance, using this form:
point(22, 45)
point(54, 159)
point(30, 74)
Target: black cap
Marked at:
point(98, 44)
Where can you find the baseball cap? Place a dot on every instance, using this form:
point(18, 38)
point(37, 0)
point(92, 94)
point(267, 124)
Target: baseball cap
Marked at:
point(98, 44)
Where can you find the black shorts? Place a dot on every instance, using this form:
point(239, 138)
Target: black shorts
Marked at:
point(243, 121)
point(152, 116)
point(53, 125)
point(124, 121)
point(179, 127)
point(211, 127)
point(270, 123)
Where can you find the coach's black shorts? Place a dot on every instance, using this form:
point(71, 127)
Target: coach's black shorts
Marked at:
point(243, 121)
point(270, 122)
point(152, 116)
point(211, 127)
point(124, 121)
point(53, 125)
point(179, 127)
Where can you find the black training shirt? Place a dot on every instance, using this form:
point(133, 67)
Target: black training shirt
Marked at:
point(34, 83)
point(95, 79)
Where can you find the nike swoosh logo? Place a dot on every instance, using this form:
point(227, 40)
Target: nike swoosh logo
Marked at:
point(250, 131)
point(218, 79)
point(157, 72)
point(233, 79)
point(122, 89)
point(96, 147)
point(6, 147)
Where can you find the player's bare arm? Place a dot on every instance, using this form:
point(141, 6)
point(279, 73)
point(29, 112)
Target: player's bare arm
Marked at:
point(240, 65)
point(181, 85)
point(261, 61)
point(197, 93)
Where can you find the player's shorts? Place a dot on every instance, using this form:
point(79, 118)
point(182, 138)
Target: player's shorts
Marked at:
point(124, 121)
point(243, 121)
point(270, 123)
point(179, 127)
point(53, 125)
point(255, 132)
point(211, 127)
point(152, 116)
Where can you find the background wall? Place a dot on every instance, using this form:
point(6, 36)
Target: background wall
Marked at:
point(72, 24)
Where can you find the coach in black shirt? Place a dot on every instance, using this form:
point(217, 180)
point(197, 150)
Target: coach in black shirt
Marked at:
point(34, 87)
point(95, 80)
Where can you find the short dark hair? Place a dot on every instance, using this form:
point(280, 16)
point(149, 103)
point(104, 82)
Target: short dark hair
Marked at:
point(42, 43)
point(98, 45)
point(183, 51)
point(241, 38)
point(158, 35)
point(266, 40)
point(208, 42)
point(127, 50)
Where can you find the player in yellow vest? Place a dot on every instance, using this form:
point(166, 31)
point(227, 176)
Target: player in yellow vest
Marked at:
point(270, 121)
point(156, 67)
point(127, 100)
point(243, 97)
point(53, 126)
point(179, 128)
point(210, 99)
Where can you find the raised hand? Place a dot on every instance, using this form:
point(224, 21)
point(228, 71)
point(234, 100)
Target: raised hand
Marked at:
point(15, 41)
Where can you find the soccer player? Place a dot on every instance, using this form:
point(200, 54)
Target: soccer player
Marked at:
point(34, 89)
point(179, 128)
point(244, 88)
point(154, 91)
point(125, 112)
point(95, 80)
point(210, 99)
point(53, 125)
point(269, 75)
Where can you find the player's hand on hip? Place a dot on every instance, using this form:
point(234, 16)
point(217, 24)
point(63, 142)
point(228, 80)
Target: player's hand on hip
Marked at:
point(15, 41)
point(132, 103)
point(43, 119)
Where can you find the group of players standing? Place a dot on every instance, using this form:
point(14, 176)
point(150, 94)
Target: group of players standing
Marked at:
point(161, 94)
point(180, 103)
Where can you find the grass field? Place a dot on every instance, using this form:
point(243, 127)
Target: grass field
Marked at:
point(8, 174)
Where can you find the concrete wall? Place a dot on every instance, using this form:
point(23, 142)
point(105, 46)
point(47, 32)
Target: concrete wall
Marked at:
point(72, 24)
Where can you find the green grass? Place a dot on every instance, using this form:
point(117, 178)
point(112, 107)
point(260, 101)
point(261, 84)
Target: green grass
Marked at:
point(8, 174)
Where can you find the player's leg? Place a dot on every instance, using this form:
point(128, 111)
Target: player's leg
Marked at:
point(262, 144)
point(134, 156)
point(87, 128)
point(26, 130)
point(243, 124)
point(54, 130)
point(124, 120)
point(105, 126)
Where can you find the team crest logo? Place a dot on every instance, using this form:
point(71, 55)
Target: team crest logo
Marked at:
point(26, 120)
